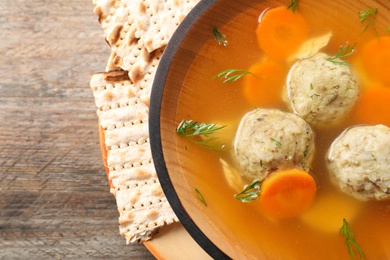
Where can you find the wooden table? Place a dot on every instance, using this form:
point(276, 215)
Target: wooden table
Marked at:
point(54, 198)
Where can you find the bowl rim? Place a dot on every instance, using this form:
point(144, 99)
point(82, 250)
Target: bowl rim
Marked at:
point(155, 134)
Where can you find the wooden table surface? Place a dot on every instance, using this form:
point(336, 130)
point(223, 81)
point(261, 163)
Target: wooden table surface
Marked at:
point(54, 198)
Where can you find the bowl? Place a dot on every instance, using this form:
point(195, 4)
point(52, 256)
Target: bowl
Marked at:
point(195, 179)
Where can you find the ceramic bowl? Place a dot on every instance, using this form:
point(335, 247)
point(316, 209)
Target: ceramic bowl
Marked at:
point(209, 225)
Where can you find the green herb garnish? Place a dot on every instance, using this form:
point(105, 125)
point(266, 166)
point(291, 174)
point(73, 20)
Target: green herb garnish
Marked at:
point(250, 192)
point(344, 51)
point(200, 197)
point(306, 152)
point(231, 75)
point(220, 37)
point(293, 5)
point(367, 16)
point(350, 242)
point(192, 129)
point(276, 142)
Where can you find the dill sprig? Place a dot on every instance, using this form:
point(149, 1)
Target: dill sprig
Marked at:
point(344, 51)
point(293, 5)
point(250, 192)
point(219, 37)
point(367, 16)
point(231, 75)
point(350, 242)
point(192, 129)
point(278, 143)
point(200, 197)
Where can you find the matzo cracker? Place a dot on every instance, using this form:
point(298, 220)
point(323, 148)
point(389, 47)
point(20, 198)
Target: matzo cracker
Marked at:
point(139, 30)
point(123, 116)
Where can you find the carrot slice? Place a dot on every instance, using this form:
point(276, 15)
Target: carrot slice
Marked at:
point(374, 106)
point(265, 88)
point(288, 193)
point(375, 56)
point(281, 32)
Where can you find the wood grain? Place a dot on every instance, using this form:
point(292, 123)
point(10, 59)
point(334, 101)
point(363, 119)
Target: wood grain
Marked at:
point(54, 197)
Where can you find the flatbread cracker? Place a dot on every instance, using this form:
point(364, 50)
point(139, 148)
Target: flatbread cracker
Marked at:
point(123, 116)
point(113, 62)
point(165, 16)
point(139, 30)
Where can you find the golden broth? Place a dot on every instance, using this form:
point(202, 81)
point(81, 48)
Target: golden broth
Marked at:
point(314, 235)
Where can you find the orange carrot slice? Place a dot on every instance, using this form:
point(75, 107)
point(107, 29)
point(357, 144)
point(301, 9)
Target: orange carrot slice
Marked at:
point(288, 193)
point(265, 88)
point(374, 106)
point(375, 56)
point(281, 32)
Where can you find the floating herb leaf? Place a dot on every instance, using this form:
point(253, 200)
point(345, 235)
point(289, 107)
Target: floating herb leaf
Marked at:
point(219, 37)
point(344, 51)
point(350, 242)
point(192, 129)
point(250, 192)
point(367, 16)
point(231, 75)
point(200, 197)
point(293, 5)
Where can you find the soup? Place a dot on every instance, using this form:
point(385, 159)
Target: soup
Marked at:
point(314, 234)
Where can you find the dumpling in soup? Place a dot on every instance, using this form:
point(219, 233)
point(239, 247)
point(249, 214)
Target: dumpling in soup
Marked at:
point(269, 140)
point(359, 162)
point(321, 91)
